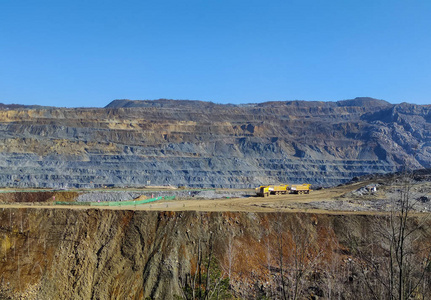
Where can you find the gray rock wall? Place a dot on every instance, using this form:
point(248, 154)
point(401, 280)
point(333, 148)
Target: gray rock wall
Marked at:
point(198, 144)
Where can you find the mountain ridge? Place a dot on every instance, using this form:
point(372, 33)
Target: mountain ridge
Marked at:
point(203, 144)
point(358, 101)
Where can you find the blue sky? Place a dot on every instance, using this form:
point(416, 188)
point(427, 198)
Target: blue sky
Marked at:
point(87, 53)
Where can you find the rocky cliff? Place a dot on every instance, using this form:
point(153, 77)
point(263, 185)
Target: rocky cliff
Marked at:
point(201, 144)
point(106, 254)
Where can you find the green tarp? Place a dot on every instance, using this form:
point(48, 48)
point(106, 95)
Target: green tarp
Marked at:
point(116, 203)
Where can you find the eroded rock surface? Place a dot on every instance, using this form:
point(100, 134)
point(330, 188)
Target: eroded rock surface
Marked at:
point(200, 144)
point(106, 254)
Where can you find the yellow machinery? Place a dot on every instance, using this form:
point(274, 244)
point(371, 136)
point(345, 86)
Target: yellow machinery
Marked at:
point(266, 190)
point(279, 189)
point(300, 188)
point(263, 191)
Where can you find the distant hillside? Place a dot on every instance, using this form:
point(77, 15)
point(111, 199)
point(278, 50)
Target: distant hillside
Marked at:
point(203, 144)
point(166, 103)
point(20, 106)
point(360, 101)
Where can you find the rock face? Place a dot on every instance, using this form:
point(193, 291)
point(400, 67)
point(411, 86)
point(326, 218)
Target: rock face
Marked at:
point(106, 254)
point(201, 144)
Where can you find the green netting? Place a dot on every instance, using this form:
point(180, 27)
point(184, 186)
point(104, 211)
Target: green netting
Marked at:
point(71, 203)
point(116, 203)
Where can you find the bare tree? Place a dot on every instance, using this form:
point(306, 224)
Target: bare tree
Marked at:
point(334, 270)
point(296, 254)
point(207, 280)
point(395, 263)
point(230, 253)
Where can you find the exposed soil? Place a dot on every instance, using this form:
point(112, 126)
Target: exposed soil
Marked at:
point(351, 198)
point(50, 251)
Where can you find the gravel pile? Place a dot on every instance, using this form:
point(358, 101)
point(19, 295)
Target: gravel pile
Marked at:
point(103, 196)
point(108, 196)
point(389, 202)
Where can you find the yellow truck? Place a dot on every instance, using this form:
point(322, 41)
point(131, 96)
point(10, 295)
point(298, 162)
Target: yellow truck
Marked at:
point(263, 191)
point(279, 189)
point(266, 190)
point(300, 188)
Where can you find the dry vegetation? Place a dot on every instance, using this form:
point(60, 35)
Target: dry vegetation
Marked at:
point(279, 247)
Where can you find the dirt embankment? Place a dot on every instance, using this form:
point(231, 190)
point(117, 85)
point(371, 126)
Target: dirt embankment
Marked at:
point(105, 254)
point(372, 196)
point(34, 196)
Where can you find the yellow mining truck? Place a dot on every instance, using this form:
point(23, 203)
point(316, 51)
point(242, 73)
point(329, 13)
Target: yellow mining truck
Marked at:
point(266, 190)
point(263, 191)
point(300, 188)
point(279, 189)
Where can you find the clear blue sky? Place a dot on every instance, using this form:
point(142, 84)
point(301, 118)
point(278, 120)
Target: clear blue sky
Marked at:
point(88, 52)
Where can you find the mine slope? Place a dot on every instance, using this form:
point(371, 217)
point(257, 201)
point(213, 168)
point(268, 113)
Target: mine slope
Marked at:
point(314, 246)
point(201, 144)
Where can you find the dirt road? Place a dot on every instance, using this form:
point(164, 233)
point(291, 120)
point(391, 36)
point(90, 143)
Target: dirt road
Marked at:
point(286, 203)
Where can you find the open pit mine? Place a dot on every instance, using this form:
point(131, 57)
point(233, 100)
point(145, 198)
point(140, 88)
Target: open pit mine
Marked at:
point(156, 200)
point(200, 144)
